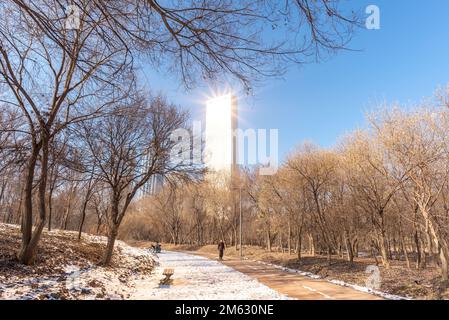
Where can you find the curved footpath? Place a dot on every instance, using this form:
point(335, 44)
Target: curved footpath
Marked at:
point(201, 276)
point(295, 285)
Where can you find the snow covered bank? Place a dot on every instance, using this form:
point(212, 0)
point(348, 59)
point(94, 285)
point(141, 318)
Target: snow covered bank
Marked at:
point(67, 268)
point(199, 278)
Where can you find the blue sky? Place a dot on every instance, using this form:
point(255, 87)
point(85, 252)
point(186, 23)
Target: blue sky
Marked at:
point(405, 61)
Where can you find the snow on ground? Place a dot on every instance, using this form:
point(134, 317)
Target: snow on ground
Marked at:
point(69, 269)
point(88, 283)
point(110, 283)
point(199, 278)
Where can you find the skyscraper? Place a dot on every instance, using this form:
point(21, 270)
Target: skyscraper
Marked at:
point(220, 148)
point(154, 185)
point(221, 151)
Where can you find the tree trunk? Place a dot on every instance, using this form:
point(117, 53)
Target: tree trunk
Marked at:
point(52, 186)
point(99, 220)
point(404, 250)
point(65, 222)
point(311, 245)
point(349, 250)
point(289, 241)
point(50, 208)
point(19, 214)
point(83, 216)
point(110, 245)
point(268, 235)
point(384, 251)
point(429, 244)
point(394, 249)
point(389, 251)
point(30, 239)
point(418, 250)
point(2, 192)
point(402, 244)
point(441, 244)
point(65, 217)
point(355, 247)
point(235, 239)
point(374, 252)
point(299, 245)
point(382, 242)
point(444, 257)
point(281, 245)
point(24, 254)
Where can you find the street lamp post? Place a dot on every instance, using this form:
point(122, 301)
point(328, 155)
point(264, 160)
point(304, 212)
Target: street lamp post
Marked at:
point(241, 221)
point(234, 190)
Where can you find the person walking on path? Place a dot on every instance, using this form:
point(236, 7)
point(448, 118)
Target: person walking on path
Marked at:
point(221, 248)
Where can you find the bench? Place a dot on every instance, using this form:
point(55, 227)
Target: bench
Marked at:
point(167, 273)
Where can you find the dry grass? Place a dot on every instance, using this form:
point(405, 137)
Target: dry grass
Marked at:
point(54, 252)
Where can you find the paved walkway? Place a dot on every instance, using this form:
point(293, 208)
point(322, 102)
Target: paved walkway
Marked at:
point(291, 284)
point(199, 278)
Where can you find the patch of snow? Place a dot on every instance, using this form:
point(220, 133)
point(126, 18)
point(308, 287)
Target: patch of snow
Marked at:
point(302, 273)
point(364, 254)
point(199, 278)
point(91, 282)
point(382, 294)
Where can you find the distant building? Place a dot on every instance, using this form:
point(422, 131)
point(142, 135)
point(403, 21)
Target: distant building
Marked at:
point(154, 185)
point(220, 146)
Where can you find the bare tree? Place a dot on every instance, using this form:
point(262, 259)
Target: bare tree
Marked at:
point(170, 205)
point(419, 146)
point(197, 38)
point(384, 189)
point(127, 148)
point(194, 38)
point(317, 169)
point(51, 83)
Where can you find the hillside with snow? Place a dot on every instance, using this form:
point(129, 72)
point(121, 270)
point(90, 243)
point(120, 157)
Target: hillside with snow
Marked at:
point(68, 268)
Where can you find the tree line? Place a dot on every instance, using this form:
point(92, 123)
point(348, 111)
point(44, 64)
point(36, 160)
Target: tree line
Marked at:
point(382, 191)
point(71, 99)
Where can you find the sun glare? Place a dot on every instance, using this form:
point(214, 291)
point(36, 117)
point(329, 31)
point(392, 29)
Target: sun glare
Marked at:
point(219, 133)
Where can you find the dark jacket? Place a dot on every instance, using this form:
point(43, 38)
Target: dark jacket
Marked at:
point(221, 246)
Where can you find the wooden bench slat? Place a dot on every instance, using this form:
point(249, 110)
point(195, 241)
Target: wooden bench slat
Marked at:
point(168, 272)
